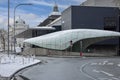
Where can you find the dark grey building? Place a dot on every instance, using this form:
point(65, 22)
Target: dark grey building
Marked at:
point(86, 17)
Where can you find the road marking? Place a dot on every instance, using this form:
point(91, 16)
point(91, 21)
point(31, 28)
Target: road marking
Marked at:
point(118, 65)
point(93, 63)
point(110, 63)
point(100, 64)
point(86, 74)
point(94, 70)
point(105, 62)
point(107, 73)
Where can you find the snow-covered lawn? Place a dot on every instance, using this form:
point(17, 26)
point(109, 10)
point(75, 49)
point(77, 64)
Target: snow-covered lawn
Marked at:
point(9, 65)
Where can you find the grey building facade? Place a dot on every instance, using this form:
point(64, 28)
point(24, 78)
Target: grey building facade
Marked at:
point(90, 17)
point(86, 17)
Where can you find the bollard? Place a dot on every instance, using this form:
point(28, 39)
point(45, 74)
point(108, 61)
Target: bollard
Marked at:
point(81, 54)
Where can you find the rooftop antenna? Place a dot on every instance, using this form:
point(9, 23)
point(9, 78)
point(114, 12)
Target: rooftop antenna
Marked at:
point(55, 9)
point(55, 2)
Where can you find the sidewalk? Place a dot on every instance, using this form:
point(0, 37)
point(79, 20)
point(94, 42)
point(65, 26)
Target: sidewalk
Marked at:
point(9, 65)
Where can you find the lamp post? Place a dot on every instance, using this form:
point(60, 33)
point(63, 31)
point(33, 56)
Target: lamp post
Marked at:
point(14, 19)
point(8, 23)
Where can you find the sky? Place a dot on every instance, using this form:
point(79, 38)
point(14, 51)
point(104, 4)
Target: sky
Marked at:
point(32, 14)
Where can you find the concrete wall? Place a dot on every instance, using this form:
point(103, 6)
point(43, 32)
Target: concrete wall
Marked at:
point(104, 3)
point(88, 3)
point(46, 52)
point(36, 51)
point(66, 19)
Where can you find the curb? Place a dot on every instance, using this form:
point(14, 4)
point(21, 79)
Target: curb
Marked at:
point(65, 56)
point(84, 56)
point(23, 69)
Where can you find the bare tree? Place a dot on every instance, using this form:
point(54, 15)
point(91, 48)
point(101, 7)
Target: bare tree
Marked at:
point(3, 38)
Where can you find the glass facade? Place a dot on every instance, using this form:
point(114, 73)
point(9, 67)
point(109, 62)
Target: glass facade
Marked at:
point(61, 40)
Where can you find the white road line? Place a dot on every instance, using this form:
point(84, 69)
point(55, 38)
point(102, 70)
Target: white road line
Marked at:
point(94, 70)
point(118, 65)
point(110, 63)
point(105, 62)
point(93, 63)
point(87, 75)
point(100, 64)
point(107, 73)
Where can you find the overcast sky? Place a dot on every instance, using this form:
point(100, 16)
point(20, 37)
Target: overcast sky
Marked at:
point(32, 14)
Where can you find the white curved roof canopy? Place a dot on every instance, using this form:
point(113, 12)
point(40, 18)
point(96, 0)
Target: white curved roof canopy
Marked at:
point(61, 40)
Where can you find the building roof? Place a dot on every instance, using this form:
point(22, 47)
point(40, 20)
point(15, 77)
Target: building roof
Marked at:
point(42, 28)
point(61, 40)
point(49, 20)
point(55, 22)
point(53, 15)
point(28, 33)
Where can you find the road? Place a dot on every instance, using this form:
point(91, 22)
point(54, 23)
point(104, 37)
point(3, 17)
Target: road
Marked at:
point(75, 69)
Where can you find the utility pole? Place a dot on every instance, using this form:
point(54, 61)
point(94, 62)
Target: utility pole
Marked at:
point(8, 24)
point(15, 19)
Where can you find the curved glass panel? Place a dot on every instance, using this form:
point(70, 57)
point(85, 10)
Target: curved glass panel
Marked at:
point(61, 40)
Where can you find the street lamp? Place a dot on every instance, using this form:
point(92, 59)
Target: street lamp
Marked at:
point(8, 23)
point(14, 19)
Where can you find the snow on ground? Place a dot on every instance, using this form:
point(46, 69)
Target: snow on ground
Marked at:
point(9, 65)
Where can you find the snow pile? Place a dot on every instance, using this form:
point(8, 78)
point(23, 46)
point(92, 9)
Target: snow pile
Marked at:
point(9, 65)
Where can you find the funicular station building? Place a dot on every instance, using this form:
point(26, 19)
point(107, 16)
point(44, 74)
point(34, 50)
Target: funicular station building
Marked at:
point(81, 17)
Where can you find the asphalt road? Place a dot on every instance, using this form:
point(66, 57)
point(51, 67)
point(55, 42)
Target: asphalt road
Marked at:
point(75, 69)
